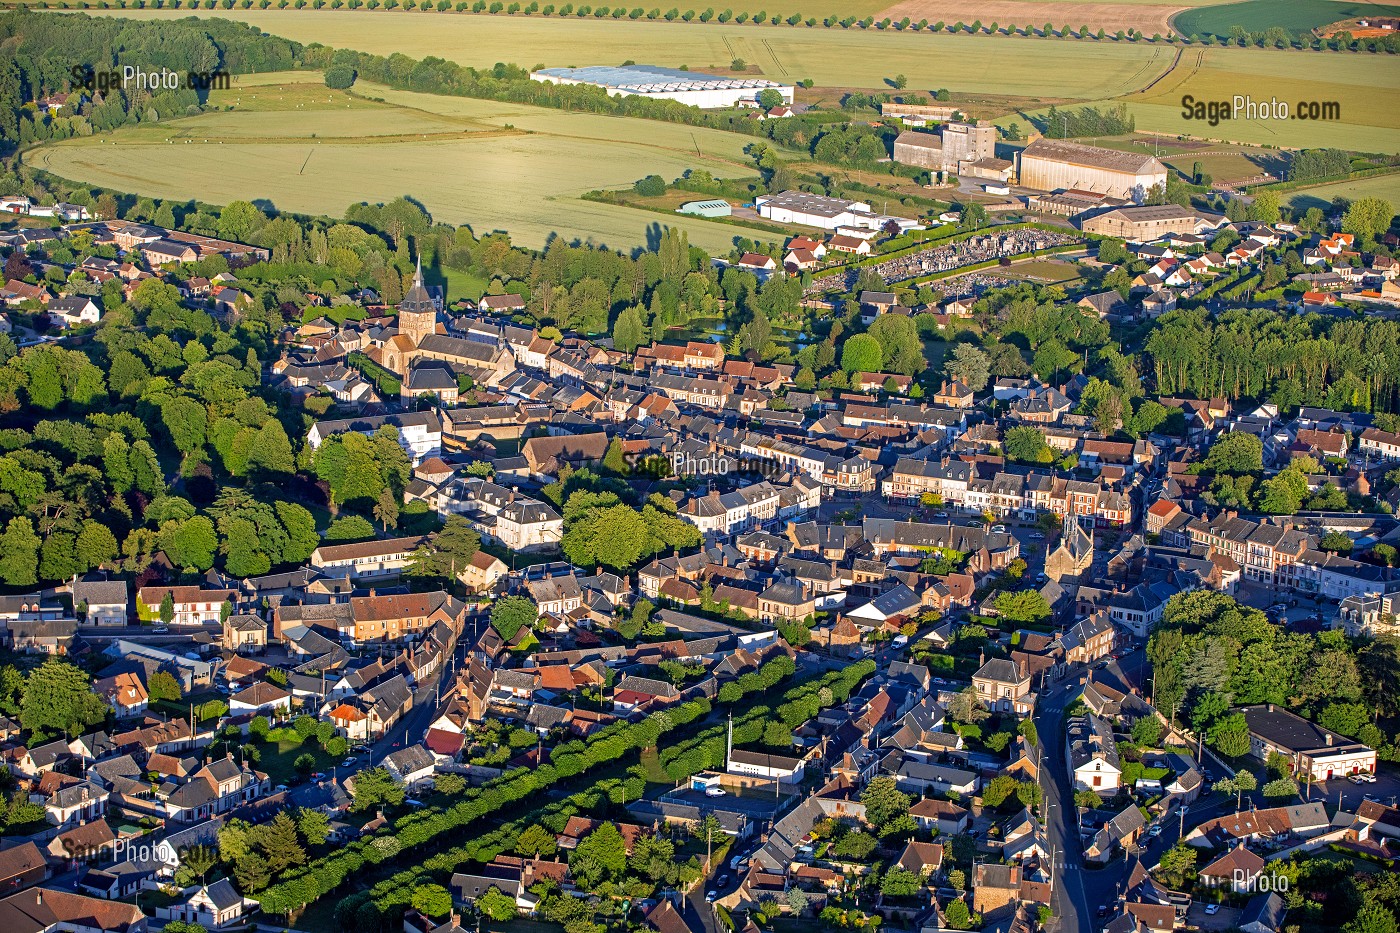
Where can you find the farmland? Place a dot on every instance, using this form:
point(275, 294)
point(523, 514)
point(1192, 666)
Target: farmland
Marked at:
point(1036, 69)
point(1296, 16)
point(1356, 82)
point(1150, 16)
point(310, 150)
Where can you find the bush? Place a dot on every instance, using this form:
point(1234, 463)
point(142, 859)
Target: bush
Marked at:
point(652, 186)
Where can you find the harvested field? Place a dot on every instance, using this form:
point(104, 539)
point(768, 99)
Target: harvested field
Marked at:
point(1150, 17)
point(454, 155)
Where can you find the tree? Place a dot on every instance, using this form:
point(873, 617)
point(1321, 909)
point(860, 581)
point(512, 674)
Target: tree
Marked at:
point(58, 698)
point(278, 842)
point(653, 186)
point(1230, 736)
point(1026, 445)
point(1368, 218)
point(1242, 781)
point(1281, 787)
point(1147, 731)
point(959, 917)
point(1000, 789)
point(313, 825)
point(536, 841)
point(251, 873)
point(376, 787)
point(492, 903)
point(883, 801)
point(512, 613)
point(900, 882)
point(164, 686)
point(966, 707)
point(1023, 606)
point(862, 353)
point(19, 553)
point(436, 901)
point(386, 509)
point(601, 856)
point(195, 863)
point(856, 845)
point(1236, 453)
point(769, 99)
point(1373, 917)
point(629, 332)
point(1178, 864)
point(970, 366)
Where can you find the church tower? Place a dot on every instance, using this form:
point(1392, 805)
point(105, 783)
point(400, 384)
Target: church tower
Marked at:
point(417, 313)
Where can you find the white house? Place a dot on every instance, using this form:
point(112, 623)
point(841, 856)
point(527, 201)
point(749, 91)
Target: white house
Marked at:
point(212, 906)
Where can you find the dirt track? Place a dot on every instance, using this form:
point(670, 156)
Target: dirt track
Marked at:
point(1110, 17)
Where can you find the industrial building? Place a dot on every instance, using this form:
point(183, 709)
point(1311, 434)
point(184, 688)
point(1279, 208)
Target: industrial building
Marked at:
point(854, 218)
point(686, 87)
point(946, 149)
point(1145, 224)
point(1056, 165)
point(713, 208)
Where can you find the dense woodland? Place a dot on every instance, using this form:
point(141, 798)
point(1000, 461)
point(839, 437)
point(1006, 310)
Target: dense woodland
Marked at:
point(42, 49)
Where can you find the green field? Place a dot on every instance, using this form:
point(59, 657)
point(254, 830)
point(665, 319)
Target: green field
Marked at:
point(1383, 186)
point(1032, 68)
point(1297, 16)
point(452, 154)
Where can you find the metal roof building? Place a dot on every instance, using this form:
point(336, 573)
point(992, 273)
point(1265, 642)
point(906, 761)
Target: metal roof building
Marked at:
point(688, 87)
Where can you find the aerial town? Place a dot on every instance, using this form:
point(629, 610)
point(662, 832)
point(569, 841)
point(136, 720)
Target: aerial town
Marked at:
point(998, 534)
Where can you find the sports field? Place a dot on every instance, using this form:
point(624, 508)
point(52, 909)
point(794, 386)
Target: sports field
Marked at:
point(1031, 68)
point(307, 149)
point(1384, 186)
point(1358, 83)
point(1297, 16)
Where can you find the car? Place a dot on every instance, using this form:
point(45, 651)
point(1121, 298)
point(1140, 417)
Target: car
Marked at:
point(1001, 529)
point(1366, 777)
point(714, 792)
point(710, 897)
point(161, 630)
point(349, 762)
point(1212, 910)
point(1356, 779)
point(1037, 536)
point(1155, 831)
point(1102, 911)
point(318, 775)
point(940, 681)
point(722, 880)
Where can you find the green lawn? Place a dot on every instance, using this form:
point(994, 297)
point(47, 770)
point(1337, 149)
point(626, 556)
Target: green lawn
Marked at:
point(277, 760)
point(1379, 186)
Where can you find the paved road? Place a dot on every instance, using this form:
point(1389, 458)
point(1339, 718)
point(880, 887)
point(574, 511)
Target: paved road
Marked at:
point(1070, 905)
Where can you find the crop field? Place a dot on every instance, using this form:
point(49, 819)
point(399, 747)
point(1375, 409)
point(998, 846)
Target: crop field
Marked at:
point(1031, 68)
point(1355, 82)
point(1297, 16)
point(525, 180)
point(1150, 16)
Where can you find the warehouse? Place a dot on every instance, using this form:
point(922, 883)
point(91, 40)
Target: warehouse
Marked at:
point(811, 210)
point(1145, 224)
point(687, 87)
point(945, 150)
point(1056, 165)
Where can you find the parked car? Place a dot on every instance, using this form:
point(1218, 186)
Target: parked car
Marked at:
point(710, 897)
point(1212, 910)
point(161, 630)
point(1155, 831)
point(349, 762)
point(1037, 536)
point(1001, 529)
point(722, 880)
point(714, 792)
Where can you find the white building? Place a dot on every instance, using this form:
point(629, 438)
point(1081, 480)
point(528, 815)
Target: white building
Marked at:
point(367, 559)
point(420, 433)
point(686, 87)
point(1093, 755)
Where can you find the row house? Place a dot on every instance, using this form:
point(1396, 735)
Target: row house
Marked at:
point(693, 390)
point(1382, 445)
point(500, 514)
point(733, 512)
point(1267, 553)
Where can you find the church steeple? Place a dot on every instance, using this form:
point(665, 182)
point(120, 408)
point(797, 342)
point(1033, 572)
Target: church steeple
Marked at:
point(417, 313)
